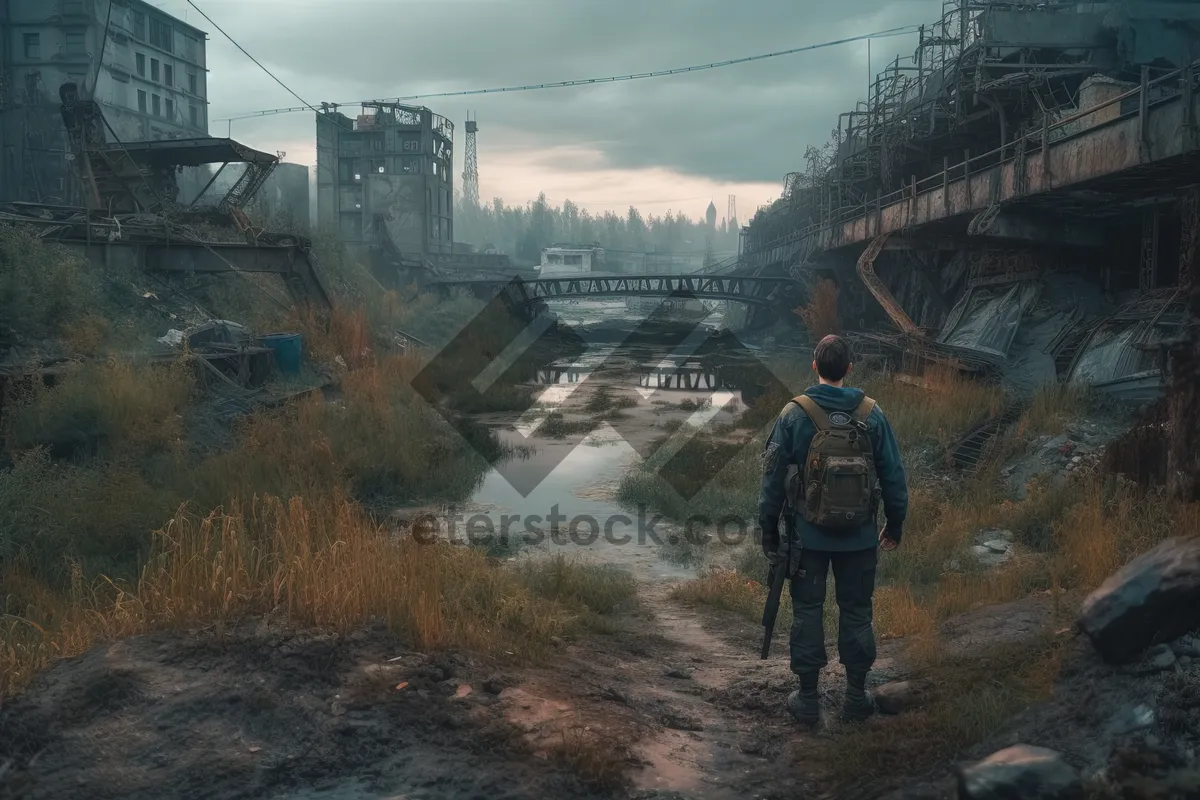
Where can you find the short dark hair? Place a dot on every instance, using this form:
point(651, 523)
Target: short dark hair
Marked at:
point(833, 357)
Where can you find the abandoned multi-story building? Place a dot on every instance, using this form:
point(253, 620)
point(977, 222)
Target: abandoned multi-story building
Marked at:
point(384, 180)
point(144, 67)
point(1023, 193)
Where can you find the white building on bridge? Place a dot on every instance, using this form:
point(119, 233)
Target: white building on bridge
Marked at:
point(571, 259)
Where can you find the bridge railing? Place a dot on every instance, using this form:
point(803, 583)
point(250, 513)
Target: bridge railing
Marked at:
point(1005, 154)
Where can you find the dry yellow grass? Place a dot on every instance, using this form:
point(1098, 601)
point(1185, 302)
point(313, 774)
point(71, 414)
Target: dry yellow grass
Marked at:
point(944, 408)
point(320, 564)
point(1054, 406)
point(820, 314)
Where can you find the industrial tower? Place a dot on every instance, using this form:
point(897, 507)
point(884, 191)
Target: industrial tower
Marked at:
point(731, 214)
point(471, 169)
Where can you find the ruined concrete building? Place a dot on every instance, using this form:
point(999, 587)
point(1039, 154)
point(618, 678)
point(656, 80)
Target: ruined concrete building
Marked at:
point(384, 179)
point(145, 68)
point(1022, 195)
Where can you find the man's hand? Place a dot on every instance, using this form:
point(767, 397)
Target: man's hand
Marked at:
point(889, 538)
point(769, 537)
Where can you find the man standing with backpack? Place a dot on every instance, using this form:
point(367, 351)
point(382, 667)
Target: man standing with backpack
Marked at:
point(833, 455)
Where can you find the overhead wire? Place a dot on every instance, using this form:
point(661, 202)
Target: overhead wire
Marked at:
point(307, 105)
point(890, 32)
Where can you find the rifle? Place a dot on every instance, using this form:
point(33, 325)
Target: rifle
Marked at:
point(786, 562)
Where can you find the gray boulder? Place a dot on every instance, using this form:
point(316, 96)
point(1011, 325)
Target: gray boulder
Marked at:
point(1154, 598)
point(1021, 772)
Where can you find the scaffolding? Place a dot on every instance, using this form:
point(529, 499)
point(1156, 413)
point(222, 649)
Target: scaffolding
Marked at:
point(986, 81)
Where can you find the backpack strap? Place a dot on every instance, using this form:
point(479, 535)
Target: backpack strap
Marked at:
point(817, 414)
point(864, 410)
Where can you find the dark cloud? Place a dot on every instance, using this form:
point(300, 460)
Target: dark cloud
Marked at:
point(744, 123)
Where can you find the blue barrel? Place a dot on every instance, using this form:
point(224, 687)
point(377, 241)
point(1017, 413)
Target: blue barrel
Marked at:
point(287, 349)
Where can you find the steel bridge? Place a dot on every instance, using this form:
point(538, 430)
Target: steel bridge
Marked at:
point(740, 289)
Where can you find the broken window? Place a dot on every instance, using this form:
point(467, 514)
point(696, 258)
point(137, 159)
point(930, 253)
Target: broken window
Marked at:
point(154, 69)
point(142, 100)
point(162, 35)
point(573, 260)
point(141, 64)
point(139, 24)
point(76, 43)
point(194, 114)
point(377, 166)
point(33, 45)
point(168, 75)
point(169, 107)
point(192, 82)
point(347, 169)
point(156, 104)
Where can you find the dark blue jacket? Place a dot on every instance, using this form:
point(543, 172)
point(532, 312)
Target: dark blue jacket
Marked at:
point(788, 444)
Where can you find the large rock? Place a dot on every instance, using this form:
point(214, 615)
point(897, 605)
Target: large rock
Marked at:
point(1021, 772)
point(1154, 598)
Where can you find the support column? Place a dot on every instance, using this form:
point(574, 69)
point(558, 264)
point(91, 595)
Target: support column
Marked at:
point(1189, 218)
point(1150, 226)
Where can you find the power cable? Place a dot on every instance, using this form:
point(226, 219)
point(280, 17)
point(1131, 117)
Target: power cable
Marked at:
point(901, 31)
point(307, 106)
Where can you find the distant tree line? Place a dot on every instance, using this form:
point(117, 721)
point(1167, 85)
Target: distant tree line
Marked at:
point(522, 231)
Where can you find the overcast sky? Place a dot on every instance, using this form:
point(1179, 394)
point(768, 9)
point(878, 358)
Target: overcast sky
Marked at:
point(663, 143)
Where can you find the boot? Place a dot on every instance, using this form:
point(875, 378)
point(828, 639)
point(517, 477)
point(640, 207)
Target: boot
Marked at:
point(805, 704)
point(859, 703)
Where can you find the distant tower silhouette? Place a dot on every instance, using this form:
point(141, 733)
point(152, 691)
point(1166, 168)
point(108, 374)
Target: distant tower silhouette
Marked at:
point(731, 215)
point(471, 168)
point(711, 216)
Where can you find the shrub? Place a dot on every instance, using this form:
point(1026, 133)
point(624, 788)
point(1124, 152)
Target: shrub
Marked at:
point(820, 314)
point(44, 287)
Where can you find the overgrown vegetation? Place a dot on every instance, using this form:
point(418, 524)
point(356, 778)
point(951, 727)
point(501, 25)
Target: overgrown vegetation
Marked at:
point(1069, 534)
point(44, 288)
point(127, 504)
point(820, 314)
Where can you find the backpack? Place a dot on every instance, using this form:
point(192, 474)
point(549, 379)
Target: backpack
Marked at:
point(841, 488)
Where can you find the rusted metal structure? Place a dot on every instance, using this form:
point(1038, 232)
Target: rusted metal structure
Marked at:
point(135, 217)
point(1020, 138)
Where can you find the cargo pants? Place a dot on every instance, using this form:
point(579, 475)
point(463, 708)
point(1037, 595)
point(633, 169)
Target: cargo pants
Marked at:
point(854, 586)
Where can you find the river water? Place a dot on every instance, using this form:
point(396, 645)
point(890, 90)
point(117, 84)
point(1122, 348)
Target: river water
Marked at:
point(559, 495)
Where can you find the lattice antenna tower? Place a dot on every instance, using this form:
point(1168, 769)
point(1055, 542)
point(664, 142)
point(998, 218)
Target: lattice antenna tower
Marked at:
point(731, 214)
point(471, 169)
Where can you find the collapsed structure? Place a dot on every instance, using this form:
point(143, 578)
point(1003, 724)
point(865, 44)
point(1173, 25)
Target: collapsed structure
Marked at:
point(1023, 192)
point(135, 213)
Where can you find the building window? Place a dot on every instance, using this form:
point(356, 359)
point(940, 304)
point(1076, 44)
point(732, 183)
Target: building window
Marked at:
point(168, 75)
point(33, 45)
point(76, 44)
point(142, 100)
point(141, 64)
point(162, 35)
point(194, 115)
point(156, 102)
point(154, 69)
point(170, 109)
point(192, 83)
point(139, 24)
point(573, 261)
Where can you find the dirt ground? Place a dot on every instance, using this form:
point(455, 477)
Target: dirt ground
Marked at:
point(674, 703)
